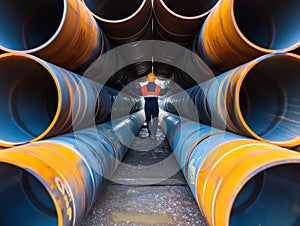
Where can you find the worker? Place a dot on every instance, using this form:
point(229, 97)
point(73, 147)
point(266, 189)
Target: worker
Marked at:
point(150, 92)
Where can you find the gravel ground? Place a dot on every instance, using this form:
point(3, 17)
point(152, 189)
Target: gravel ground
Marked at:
point(148, 188)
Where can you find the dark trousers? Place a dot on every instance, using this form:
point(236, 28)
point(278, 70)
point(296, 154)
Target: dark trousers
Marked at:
point(151, 112)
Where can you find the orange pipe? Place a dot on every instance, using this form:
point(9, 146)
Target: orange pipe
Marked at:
point(237, 31)
point(258, 99)
point(121, 20)
point(56, 181)
point(41, 100)
point(180, 21)
point(235, 180)
point(61, 32)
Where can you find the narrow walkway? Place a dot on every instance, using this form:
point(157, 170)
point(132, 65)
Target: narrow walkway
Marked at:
point(148, 188)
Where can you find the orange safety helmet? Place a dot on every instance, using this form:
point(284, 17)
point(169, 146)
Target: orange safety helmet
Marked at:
point(151, 77)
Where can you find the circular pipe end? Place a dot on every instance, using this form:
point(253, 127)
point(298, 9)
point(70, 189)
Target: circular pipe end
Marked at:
point(29, 97)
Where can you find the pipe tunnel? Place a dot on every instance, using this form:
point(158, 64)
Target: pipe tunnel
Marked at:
point(48, 47)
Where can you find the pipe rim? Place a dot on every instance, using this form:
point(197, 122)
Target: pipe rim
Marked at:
point(13, 162)
point(248, 42)
point(260, 169)
point(120, 20)
point(281, 159)
point(50, 40)
point(290, 142)
point(59, 96)
point(185, 17)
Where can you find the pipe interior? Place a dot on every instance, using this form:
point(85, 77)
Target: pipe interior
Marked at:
point(24, 200)
point(270, 198)
point(113, 9)
point(270, 101)
point(269, 24)
point(26, 25)
point(28, 97)
point(190, 8)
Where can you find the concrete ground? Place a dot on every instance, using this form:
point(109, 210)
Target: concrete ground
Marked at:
point(148, 188)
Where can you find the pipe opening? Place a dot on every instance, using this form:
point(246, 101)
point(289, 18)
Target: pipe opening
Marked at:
point(189, 8)
point(272, 198)
point(113, 9)
point(269, 24)
point(269, 99)
point(26, 25)
point(24, 200)
point(29, 99)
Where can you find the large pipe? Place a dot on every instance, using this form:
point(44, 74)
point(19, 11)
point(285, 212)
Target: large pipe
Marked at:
point(56, 181)
point(177, 22)
point(180, 21)
point(237, 31)
point(61, 32)
point(121, 20)
point(259, 99)
point(235, 181)
point(40, 100)
point(191, 69)
point(125, 22)
point(106, 69)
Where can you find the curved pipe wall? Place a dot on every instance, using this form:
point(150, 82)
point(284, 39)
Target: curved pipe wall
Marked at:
point(258, 99)
point(124, 22)
point(235, 181)
point(56, 181)
point(195, 70)
point(121, 20)
point(61, 32)
point(105, 71)
point(179, 21)
point(41, 100)
point(237, 31)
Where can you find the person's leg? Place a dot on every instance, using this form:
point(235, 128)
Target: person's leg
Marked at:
point(154, 124)
point(148, 117)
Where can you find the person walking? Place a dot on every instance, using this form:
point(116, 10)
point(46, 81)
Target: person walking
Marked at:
point(150, 92)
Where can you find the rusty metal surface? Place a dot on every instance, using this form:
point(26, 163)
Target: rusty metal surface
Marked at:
point(132, 197)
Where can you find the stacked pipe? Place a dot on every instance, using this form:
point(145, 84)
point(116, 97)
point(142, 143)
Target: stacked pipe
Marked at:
point(40, 100)
point(238, 31)
point(126, 22)
point(56, 181)
point(191, 69)
point(61, 32)
point(107, 69)
point(178, 22)
point(259, 99)
point(235, 180)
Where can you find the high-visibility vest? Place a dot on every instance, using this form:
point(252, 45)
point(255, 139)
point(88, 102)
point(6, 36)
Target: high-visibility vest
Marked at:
point(147, 93)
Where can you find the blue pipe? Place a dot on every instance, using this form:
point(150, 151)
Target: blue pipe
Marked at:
point(235, 180)
point(56, 181)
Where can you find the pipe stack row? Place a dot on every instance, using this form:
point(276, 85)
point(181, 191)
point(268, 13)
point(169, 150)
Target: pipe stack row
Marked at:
point(41, 100)
point(259, 99)
point(56, 181)
point(235, 180)
point(236, 32)
point(234, 126)
point(63, 134)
